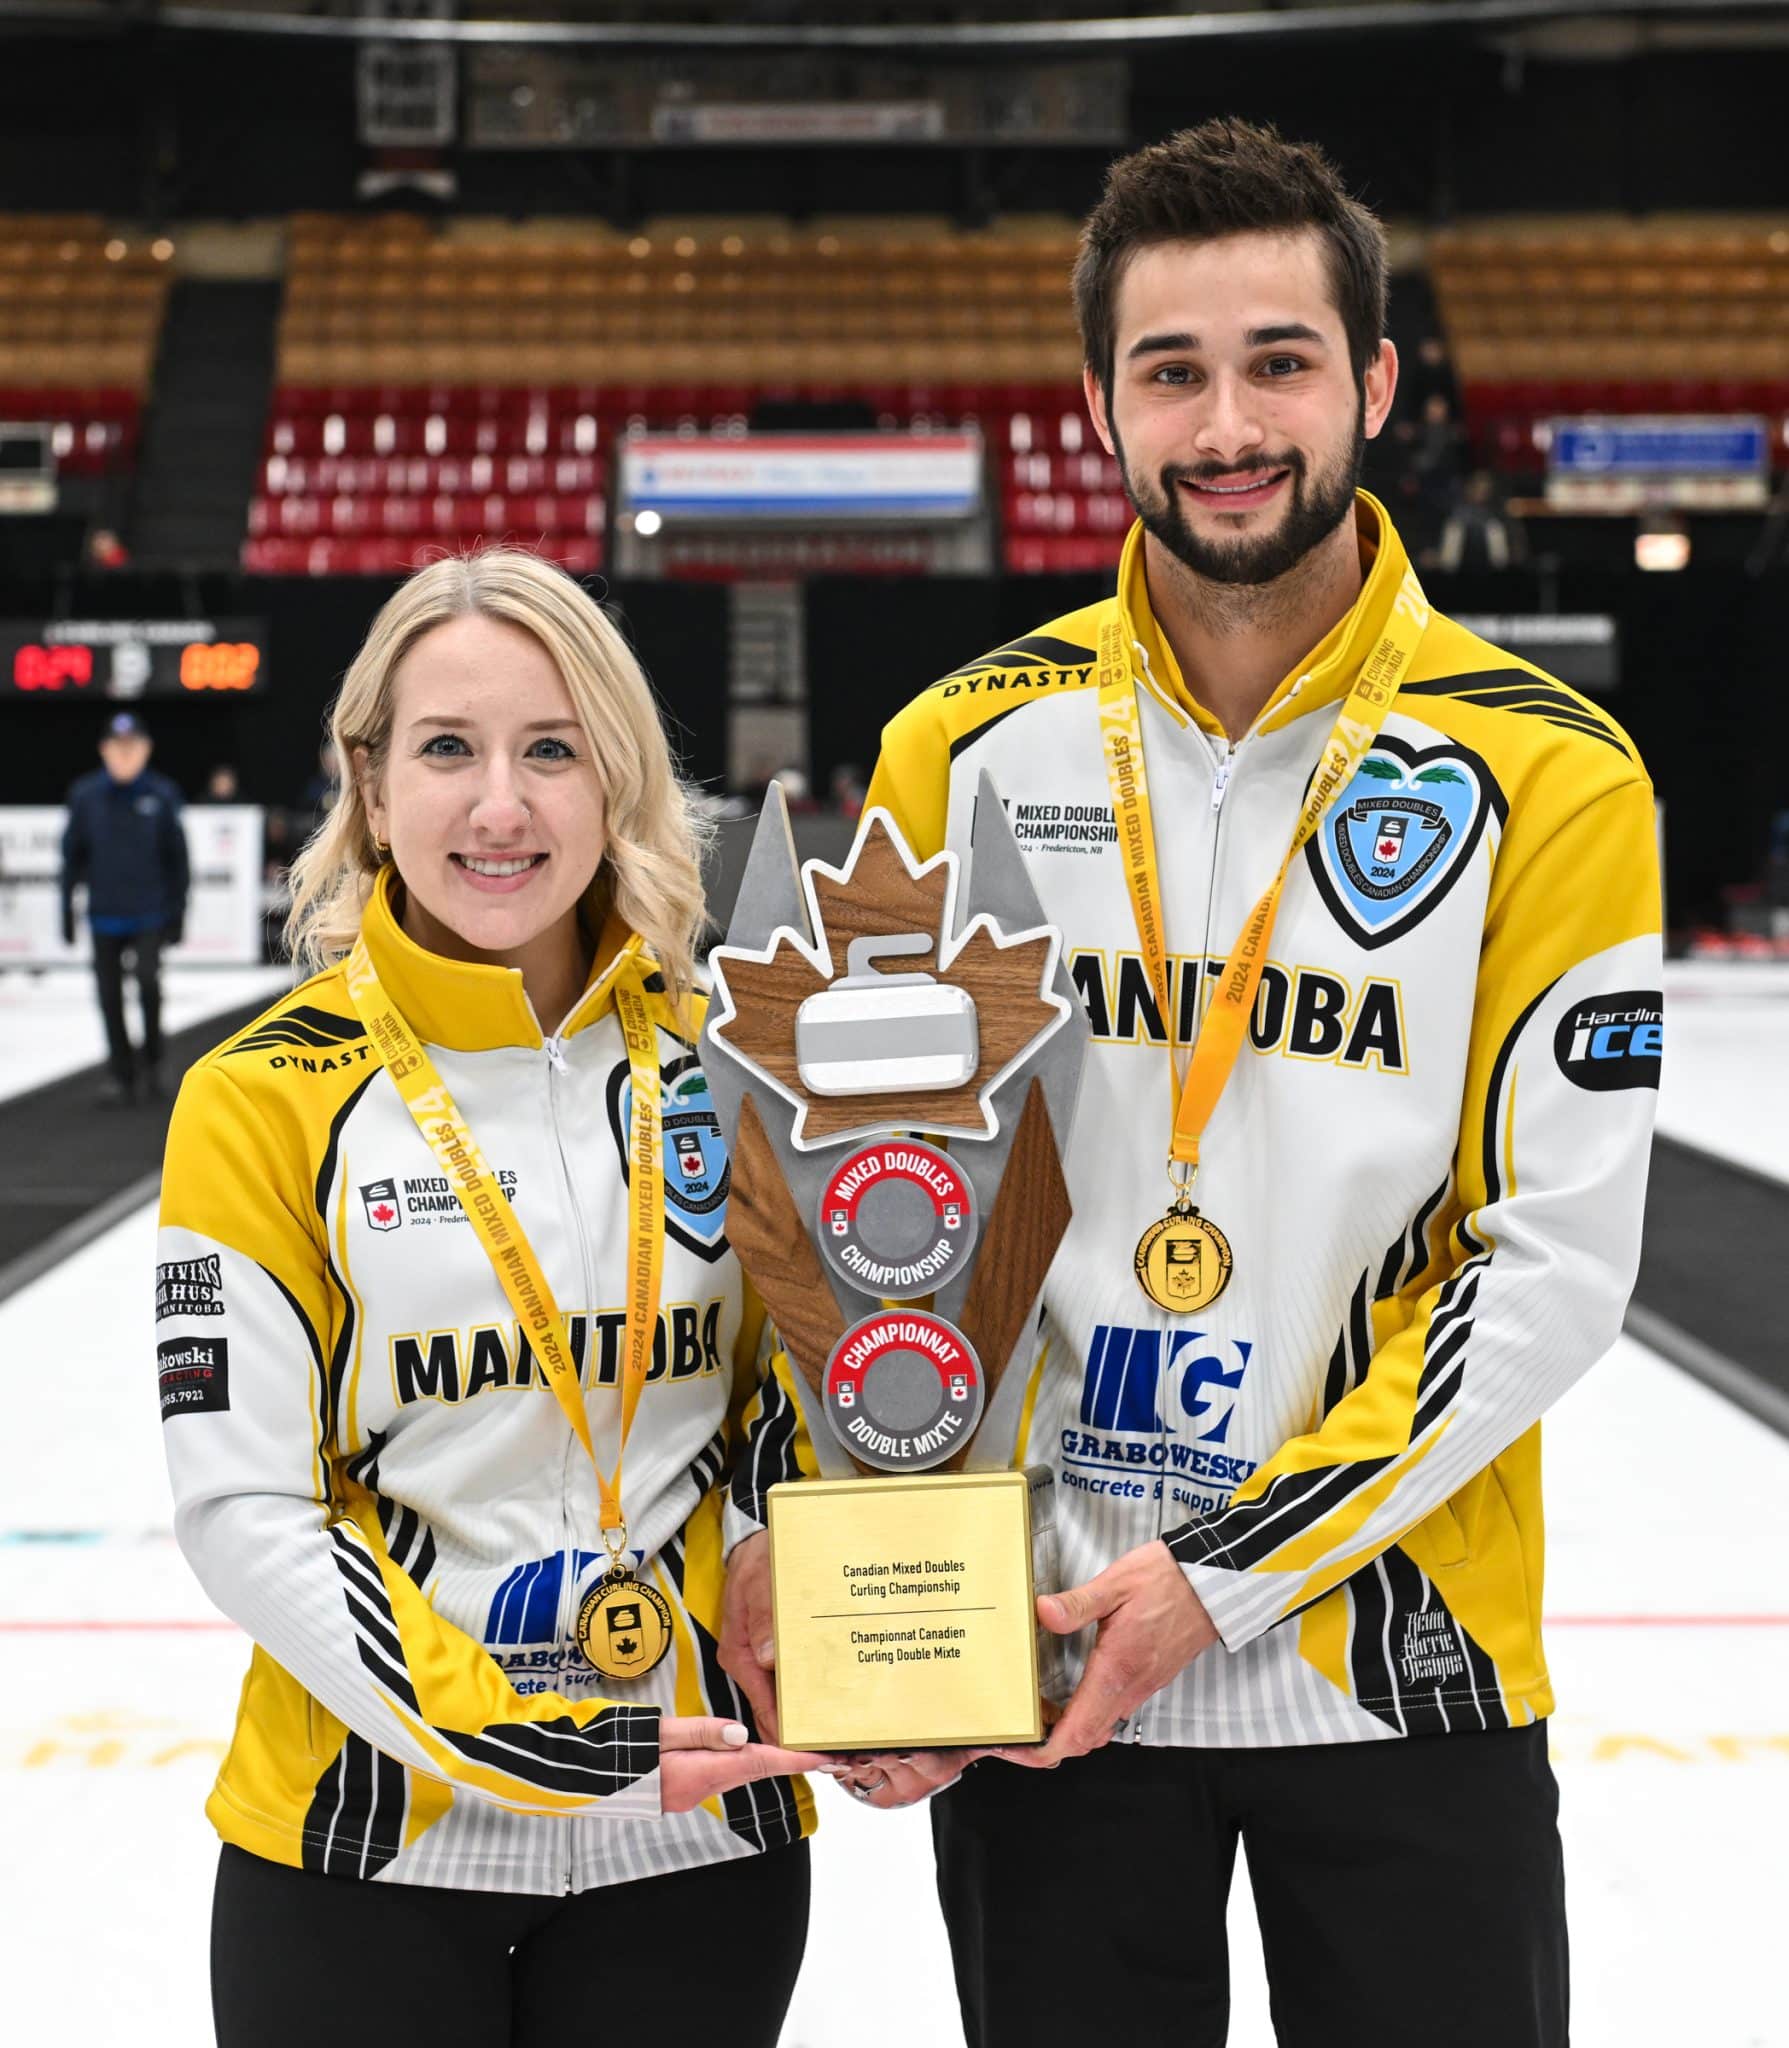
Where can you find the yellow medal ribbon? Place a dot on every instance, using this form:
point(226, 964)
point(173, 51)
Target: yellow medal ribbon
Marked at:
point(1219, 1041)
point(500, 1231)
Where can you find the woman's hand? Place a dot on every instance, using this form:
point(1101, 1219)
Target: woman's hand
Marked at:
point(746, 1648)
point(701, 1757)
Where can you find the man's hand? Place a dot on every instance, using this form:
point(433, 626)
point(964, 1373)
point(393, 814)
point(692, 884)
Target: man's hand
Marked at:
point(887, 1780)
point(747, 1647)
point(701, 1757)
point(1151, 1626)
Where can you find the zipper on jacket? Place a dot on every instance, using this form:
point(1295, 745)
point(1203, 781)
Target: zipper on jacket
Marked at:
point(558, 1064)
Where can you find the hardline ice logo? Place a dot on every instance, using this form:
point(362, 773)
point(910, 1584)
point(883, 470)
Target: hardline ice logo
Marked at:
point(1612, 1041)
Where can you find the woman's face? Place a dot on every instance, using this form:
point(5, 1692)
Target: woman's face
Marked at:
point(488, 798)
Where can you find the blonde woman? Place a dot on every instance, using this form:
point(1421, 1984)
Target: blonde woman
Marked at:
point(465, 1399)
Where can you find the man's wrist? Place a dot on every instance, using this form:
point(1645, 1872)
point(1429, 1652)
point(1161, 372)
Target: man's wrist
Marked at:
point(739, 1520)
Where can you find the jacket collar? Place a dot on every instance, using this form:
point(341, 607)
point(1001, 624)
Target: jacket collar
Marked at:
point(467, 1007)
point(1325, 674)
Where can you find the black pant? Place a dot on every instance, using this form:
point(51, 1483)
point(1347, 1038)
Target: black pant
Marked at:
point(109, 950)
point(1409, 1892)
point(299, 1960)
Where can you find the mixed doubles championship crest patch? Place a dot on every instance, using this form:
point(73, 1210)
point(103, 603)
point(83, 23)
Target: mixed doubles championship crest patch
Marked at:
point(697, 1173)
point(1400, 835)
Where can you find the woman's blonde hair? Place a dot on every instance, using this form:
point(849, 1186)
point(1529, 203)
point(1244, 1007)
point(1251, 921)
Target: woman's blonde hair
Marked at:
point(651, 873)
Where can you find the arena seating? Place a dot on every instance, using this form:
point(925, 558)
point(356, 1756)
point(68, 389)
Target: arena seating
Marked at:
point(1581, 316)
point(80, 312)
point(436, 387)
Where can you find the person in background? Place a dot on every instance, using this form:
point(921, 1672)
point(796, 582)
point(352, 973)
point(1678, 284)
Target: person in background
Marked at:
point(1479, 532)
point(222, 786)
point(124, 843)
point(321, 790)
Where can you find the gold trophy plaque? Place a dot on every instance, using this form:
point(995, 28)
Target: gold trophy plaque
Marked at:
point(897, 1088)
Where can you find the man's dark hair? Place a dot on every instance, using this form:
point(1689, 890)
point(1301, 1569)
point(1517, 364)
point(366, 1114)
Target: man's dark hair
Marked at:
point(1228, 177)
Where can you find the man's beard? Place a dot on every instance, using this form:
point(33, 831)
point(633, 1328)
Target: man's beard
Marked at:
point(1318, 507)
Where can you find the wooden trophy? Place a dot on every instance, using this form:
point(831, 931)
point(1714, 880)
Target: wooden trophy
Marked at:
point(898, 1084)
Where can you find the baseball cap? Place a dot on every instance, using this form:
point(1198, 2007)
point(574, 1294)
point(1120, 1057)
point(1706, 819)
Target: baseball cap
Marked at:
point(125, 725)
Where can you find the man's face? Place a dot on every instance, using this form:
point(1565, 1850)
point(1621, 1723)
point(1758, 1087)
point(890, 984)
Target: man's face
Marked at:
point(1234, 416)
point(126, 755)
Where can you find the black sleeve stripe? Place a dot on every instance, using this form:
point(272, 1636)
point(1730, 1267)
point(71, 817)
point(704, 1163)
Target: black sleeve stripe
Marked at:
point(355, 1825)
point(302, 1025)
point(423, 1563)
point(1417, 1258)
point(1440, 1397)
point(344, 1342)
point(397, 1683)
point(1241, 1537)
point(363, 1467)
point(554, 1755)
point(1335, 1380)
point(563, 1741)
point(361, 1572)
point(620, 1746)
point(773, 1451)
point(1286, 1490)
point(316, 1345)
point(1494, 1094)
point(980, 732)
point(1025, 653)
point(386, 1638)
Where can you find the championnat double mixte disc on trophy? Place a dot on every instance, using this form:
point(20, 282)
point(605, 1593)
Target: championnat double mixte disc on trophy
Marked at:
point(897, 1070)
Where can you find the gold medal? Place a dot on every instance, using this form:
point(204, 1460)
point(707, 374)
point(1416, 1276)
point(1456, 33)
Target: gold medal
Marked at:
point(1183, 1261)
point(624, 1626)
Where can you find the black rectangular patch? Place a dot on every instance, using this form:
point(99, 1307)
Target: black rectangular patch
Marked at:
point(195, 1375)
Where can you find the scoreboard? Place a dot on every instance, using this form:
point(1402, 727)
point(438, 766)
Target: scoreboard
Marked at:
point(124, 659)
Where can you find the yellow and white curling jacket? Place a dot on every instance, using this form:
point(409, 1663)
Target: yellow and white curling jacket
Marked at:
point(1430, 1161)
point(373, 1477)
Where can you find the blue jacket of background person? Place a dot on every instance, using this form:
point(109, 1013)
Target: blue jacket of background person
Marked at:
point(124, 840)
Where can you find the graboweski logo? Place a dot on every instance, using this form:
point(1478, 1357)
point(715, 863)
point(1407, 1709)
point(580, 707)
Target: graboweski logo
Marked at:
point(1156, 1408)
point(382, 1208)
point(1399, 836)
point(194, 1373)
point(697, 1173)
point(1614, 1041)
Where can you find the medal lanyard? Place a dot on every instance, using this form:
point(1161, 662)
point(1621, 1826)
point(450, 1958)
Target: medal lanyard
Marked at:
point(1220, 1035)
point(499, 1229)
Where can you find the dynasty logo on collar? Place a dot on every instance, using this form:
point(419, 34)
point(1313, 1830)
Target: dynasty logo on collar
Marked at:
point(1400, 835)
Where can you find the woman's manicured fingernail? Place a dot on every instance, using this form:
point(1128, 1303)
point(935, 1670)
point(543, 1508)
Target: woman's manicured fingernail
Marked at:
point(736, 1734)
